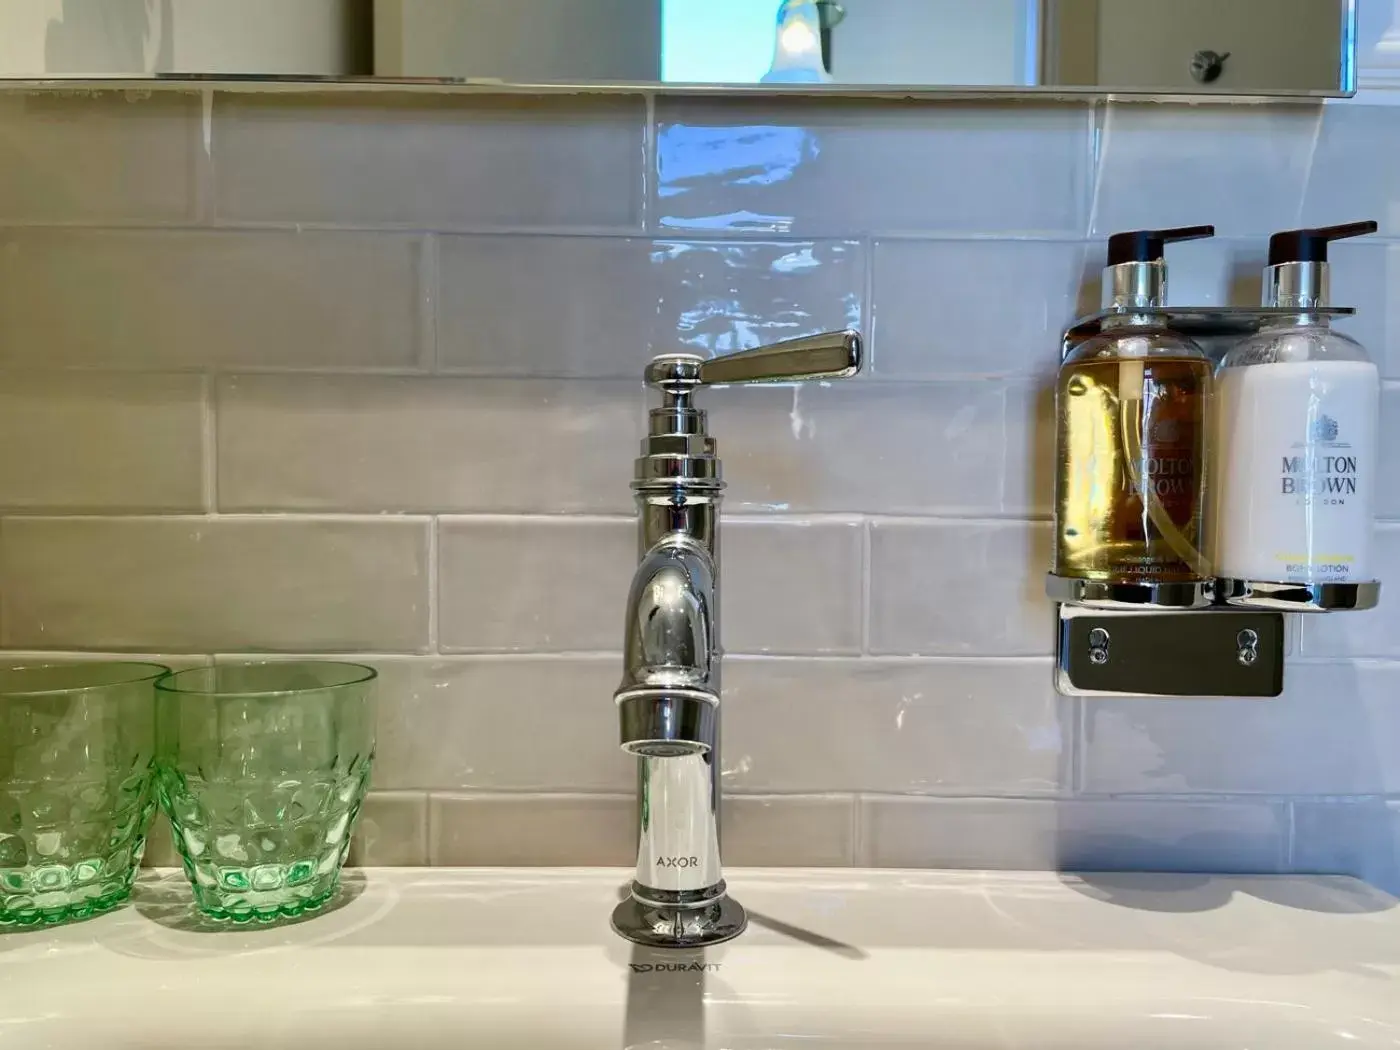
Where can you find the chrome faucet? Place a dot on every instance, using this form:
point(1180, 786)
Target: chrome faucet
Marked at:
point(669, 700)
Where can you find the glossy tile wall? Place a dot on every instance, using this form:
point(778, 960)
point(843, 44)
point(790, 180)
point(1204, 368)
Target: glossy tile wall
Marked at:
point(360, 375)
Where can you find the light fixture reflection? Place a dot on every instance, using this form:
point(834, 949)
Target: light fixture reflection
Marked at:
point(797, 51)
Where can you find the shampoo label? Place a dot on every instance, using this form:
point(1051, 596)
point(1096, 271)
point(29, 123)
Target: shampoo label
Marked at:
point(1296, 471)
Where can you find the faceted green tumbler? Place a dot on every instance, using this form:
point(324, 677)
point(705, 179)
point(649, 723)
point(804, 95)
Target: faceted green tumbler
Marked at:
point(262, 769)
point(76, 744)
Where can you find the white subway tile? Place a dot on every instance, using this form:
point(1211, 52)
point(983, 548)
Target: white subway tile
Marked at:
point(789, 831)
point(191, 299)
point(535, 829)
point(1388, 466)
point(1170, 836)
point(1091, 835)
point(1363, 272)
point(403, 444)
point(601, 307)
point(160, 845)
point(393, 830)
point(905, 832)
point(792, 586)
point(442, 162)
point(1370, 633)
point(534, 584)
point(987, 307)
point(99, 157)
point(1355, 168)
point(859, 447)
point(540, 584)
point(214, 583)
point(545, 306)
point(1335, 730)
point(532, 830)
point(1243, 168)
point(718, 296)
point(500, 723)
point(1212, 271)
point(101, 442)
point(948, 727)
point(960, 588)
point(782, 167)
point(1359, 837)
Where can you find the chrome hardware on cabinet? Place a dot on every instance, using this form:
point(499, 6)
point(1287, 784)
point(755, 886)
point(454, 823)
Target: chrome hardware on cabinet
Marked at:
point(669, 699)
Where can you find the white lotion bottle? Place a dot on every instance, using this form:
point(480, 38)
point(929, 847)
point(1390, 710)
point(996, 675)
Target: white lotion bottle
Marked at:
point(1295, 437)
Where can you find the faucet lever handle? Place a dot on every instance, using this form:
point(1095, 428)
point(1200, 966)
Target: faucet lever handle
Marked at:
point(830, 355)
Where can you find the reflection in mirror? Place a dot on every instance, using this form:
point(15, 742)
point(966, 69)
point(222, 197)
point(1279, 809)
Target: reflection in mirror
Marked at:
point(1181, 46)
point(142, 38)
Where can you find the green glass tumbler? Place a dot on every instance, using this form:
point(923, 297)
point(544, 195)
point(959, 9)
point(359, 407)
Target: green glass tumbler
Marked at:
point(76, 745)
point(262, 769)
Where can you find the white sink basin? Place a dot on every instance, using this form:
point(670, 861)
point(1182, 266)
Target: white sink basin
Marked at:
point(422, 959)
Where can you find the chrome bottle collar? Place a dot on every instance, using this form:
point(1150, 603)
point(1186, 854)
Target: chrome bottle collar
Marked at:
point(1299, 285)
point(1135, 285)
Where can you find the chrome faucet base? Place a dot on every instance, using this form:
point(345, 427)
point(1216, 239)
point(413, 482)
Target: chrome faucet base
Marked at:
point(666, 927)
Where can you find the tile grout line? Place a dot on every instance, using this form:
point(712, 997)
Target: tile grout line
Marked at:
point(866, 588)
point(795, 519)
point(1290, 835)
point(649, 162)
point(424, 857)
point(868, 243)
point(467, 656)
point(205, 179)
point(858, 831)
point(209, 439)
point(429, 302)
point(700, 235)
point(1078, 751)
point(1093, 146)
point(434, 586)
point(705, 236)
point(243, 517)
point(431, 831)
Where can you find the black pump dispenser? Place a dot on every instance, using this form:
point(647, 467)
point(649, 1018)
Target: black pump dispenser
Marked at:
point(1150, 245)
point(1297, 276)
point(1136, 275)
point(1310, 245)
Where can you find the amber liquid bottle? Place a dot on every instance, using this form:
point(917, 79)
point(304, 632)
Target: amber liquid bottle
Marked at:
point(1131, 409)
point(1132, 467)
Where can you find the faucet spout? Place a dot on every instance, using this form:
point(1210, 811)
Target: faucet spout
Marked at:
point(668, 710)
point(669, 696)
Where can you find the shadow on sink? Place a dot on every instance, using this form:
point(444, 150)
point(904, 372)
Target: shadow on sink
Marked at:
point(808, 937)
point(1182, 892)
point(1168, 901)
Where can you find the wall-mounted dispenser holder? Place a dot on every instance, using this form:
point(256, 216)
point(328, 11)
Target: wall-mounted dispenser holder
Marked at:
point(1215, 637)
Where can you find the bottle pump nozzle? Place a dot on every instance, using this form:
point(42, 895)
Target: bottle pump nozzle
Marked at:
point(1136, 274)
point(1298, 272)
